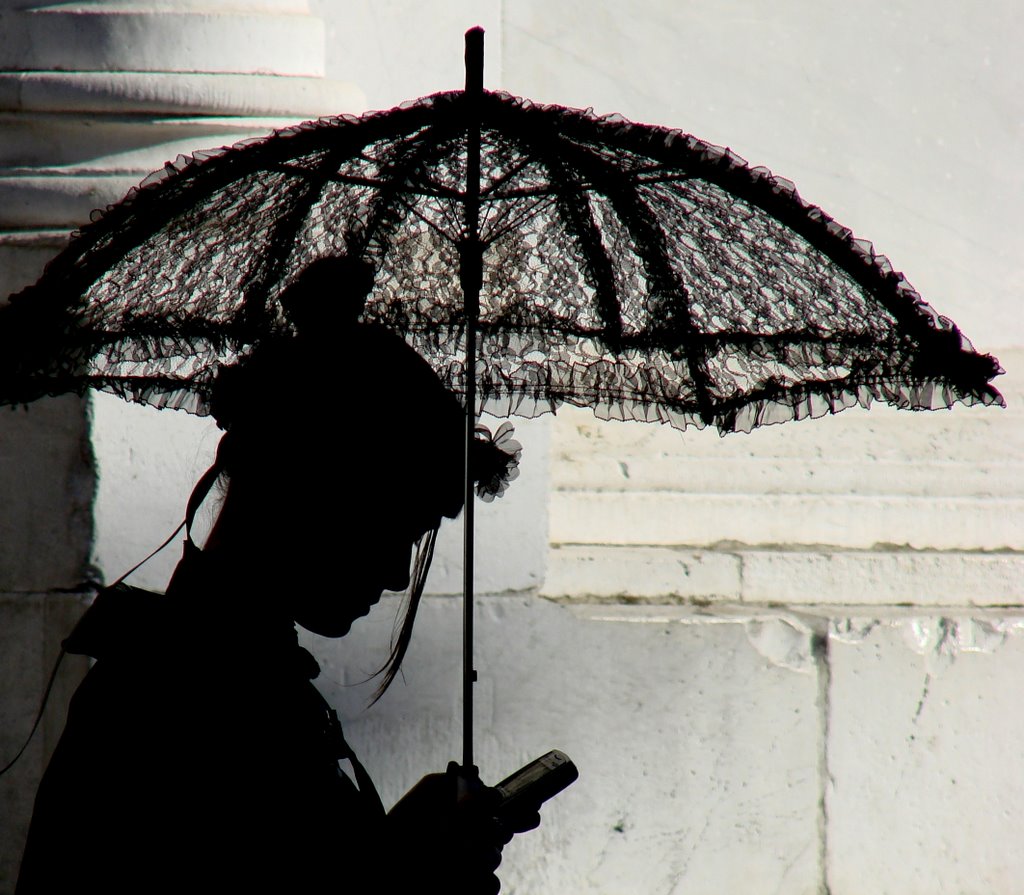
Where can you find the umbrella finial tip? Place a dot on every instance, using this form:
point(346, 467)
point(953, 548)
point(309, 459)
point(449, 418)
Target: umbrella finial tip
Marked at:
point(475, 60)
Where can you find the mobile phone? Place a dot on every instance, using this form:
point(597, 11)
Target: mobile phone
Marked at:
point(530, 786)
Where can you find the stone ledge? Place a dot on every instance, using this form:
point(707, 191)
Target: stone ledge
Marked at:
point(636, 471)
point(34, 199)
point(805, 579)
point(97, 38)
point(938, 579)
point(964, 451)
point(173, 93)
point(37, 145)
point(838, 521)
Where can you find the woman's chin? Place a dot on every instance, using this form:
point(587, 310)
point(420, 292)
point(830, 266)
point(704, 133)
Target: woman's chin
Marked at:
point(317, 626)
point(329, 621)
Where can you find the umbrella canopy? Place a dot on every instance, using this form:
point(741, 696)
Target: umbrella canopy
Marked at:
point(632, 269)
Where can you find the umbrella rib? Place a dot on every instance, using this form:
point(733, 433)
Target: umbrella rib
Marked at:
point(562, 147)
point(778, 199)
point(668, 174)
point(495, 185)
point(526, 192)
point(523, 193)
point(436, 190)
point(569, 195)
point(666, 178)
point(648, 234)
point(514, 221)
point(382, 212)
point(417, 214)
point(282, 243)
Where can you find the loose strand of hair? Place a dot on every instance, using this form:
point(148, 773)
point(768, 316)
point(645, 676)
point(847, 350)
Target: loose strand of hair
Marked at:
point(421, 566)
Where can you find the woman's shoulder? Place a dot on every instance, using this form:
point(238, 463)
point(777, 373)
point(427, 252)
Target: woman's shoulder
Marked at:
point(117, 620)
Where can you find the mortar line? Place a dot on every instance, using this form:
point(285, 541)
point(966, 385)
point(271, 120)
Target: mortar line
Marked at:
point(822, 654)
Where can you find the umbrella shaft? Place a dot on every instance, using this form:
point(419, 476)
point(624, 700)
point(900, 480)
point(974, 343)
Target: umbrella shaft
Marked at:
point(468, 671)
point(471, 269)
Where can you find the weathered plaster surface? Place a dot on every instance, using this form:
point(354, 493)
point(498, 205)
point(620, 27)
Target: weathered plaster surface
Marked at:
point(698, 756)
point(926, 788)
point(47, 483)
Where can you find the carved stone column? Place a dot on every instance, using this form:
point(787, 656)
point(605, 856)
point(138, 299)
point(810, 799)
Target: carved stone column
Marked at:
point(94, 96)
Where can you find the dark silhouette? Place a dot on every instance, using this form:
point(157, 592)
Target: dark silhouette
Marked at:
point(198, 755)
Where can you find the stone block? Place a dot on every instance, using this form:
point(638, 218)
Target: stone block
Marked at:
point(596, 572)
point(175, 93)
point(810, 577)
point(46, 490)
point(883, 578)
point(949, 481)
point(925, 761)
point(640, 468)
point(868, 442)
point(98, 38)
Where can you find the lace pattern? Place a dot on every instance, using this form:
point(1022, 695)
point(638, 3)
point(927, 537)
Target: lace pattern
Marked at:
point(632, 269)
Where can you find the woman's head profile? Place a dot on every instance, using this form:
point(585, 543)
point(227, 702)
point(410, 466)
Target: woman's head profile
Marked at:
point(342, 452)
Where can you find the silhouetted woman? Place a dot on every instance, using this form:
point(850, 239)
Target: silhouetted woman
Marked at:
point(198, 755)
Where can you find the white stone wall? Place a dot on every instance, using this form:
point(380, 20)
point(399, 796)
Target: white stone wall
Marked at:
point(784, 663)
point(872, 561)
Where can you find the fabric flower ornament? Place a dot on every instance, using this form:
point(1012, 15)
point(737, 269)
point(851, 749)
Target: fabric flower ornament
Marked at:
point(495, 460)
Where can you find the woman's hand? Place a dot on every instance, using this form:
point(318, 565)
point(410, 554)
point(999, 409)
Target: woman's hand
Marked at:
point(445, 832)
